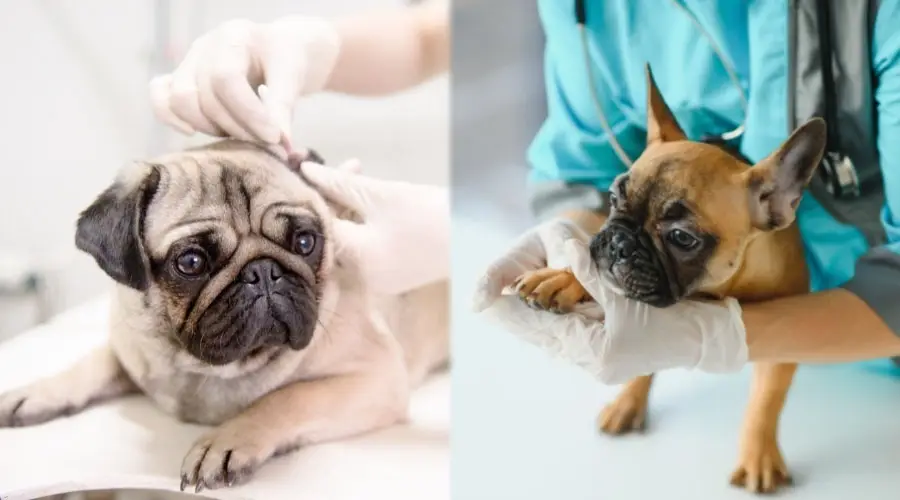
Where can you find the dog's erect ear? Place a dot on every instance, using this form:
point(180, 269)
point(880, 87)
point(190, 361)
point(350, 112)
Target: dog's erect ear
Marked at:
point(661, 124)
point(110, 230)
point(776, 183)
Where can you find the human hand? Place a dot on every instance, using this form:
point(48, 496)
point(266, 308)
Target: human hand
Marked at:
point(538, 248)
point(642, 339)
point(403, 241)
point(621, 338)
point(214, 89)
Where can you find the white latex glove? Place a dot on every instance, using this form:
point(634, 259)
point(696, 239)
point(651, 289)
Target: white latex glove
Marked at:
point(633, 338)
point(214, 89)
point(540, 247)
point(404, 240)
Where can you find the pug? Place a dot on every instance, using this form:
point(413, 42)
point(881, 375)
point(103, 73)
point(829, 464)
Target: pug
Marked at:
point(235, 308)
point(694, 220)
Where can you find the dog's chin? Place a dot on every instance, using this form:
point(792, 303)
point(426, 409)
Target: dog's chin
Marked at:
point(229, 332)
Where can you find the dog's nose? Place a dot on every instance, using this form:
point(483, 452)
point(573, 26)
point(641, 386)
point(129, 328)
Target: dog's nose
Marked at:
point(261, 271)
point(623, 245)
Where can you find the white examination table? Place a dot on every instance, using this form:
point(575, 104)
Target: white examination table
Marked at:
point(129, 443)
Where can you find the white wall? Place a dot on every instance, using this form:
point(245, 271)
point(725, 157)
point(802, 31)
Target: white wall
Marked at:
point(74, 109)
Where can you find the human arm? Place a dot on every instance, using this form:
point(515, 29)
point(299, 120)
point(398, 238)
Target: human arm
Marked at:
point(215, 88)
point(828, 326)
point(391, 51)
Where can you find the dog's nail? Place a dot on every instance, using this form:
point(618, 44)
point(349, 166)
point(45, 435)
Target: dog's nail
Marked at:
point(184, 481)
point(199, 486)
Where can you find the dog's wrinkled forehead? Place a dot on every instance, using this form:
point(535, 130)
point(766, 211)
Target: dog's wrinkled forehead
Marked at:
point(672, 178)
point(227, 194)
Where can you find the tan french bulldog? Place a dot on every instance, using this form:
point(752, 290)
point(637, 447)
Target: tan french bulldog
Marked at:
point(234, 309)
point(689, 220)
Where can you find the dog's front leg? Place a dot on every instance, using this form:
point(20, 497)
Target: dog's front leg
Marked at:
point(97, 377)
point(300, 414)
point(761, 468)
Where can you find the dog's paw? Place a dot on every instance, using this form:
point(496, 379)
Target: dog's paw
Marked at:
point(761, 469)
point(555, 290)
point(227, 456)
point(628, 412)
point(34, 404)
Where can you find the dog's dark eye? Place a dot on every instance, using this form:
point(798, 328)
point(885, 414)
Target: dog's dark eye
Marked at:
point(304, 242)
point(191, 263)
point(682, 239)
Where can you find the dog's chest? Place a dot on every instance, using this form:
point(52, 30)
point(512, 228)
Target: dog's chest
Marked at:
point(200, 399)
point(201, 394)
point(212, 398)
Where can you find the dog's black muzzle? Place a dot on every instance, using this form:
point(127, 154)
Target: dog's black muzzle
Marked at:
point(626, 254)
point(265, 306)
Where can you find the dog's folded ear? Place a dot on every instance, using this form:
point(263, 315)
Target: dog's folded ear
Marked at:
point(661, 123)
point(776, 183)
point(110, 229)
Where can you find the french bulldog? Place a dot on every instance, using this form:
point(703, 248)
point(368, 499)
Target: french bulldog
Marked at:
point(234, 308)
point(693, 220)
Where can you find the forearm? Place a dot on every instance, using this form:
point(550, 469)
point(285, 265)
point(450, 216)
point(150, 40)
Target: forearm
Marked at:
point(388, 52)
point(830, 326)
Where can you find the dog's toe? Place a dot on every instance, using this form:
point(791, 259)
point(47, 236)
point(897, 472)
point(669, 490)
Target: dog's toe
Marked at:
point(222, 459)
point(625, 414)
point(761, 468)
point(33, 405)
point(555, 290)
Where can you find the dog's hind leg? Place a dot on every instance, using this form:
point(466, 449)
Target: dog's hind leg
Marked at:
point(628, 412)
point(761, 468)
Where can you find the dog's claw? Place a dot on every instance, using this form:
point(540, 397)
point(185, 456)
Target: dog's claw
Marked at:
point(184, 482)
point(199, 486)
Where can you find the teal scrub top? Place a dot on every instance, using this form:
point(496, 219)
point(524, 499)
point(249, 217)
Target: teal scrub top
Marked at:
point(572, 147)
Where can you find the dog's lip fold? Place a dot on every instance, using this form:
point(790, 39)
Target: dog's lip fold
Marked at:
point(250, 320)
point(658, 296)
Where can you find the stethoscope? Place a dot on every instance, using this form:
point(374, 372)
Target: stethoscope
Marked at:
point(581, 21)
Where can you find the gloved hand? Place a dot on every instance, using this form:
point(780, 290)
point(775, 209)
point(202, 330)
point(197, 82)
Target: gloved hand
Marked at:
point(214, 88)
point(404, 240)
point(620, 338)
point(540, 247)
